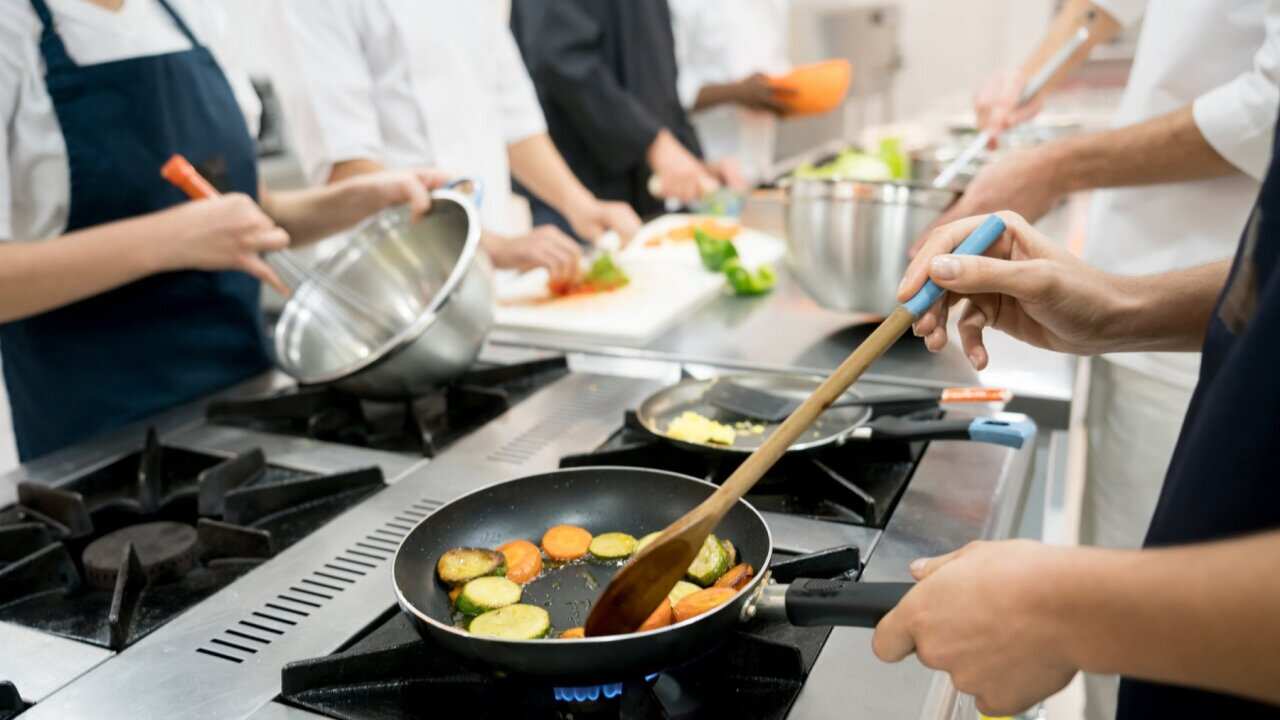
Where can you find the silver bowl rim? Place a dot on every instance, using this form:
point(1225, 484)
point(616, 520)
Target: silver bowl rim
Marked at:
point(412, 331)
point(849, 190)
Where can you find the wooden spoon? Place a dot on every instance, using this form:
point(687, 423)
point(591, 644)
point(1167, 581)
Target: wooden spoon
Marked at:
point(649, 576)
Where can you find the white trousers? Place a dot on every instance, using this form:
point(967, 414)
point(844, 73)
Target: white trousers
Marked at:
point(1133, 422)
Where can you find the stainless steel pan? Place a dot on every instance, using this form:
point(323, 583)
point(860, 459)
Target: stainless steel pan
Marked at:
point(836, 426)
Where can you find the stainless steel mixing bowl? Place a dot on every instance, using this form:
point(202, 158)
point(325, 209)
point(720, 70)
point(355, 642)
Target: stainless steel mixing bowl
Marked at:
point(847, 241)
point(430, 292)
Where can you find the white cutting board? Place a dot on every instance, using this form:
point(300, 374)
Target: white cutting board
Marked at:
point(659, 294)
point(754, 247)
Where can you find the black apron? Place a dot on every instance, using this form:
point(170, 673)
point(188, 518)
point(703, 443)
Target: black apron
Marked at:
point(166, 339)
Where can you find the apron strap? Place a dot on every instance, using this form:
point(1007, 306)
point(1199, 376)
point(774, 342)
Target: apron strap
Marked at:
point(182, 25)
point(51, 47)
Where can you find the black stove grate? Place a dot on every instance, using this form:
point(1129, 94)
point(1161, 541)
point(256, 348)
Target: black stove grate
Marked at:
point(857, 483)
point(239, 511)
point(423, 425)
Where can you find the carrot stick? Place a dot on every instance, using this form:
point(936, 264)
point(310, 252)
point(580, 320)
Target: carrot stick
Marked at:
point(660, 618)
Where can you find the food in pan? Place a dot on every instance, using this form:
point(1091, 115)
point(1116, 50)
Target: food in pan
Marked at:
point(696, 428)
point(612, 546)
point(513, 622)
point(701, 602)
point(487, 593)
point(461, 565)
point(573, 633)
point(524, 560)
point(683, 589)
point(566, 542)
point(487, 586)
point(736, 577)
point(712, 562)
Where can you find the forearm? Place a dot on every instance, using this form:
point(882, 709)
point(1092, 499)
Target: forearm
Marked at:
point(1167, 312)
point(1169, 148)
point(315, 213)
point(713, 94)
point(39, 276)
point(538, 166)
point(1201, 615)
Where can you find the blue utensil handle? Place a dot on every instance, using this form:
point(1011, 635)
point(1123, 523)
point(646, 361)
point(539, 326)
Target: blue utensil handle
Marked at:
point(1012, 433)
point(977, 243)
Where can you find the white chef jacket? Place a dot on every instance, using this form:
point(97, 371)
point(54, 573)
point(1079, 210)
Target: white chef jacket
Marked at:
point(1224, 57)
point(35, 194)
point(720, 41)
point(406, 83)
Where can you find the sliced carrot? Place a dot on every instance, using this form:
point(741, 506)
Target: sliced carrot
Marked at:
point(702, 601)
point(566, 542)
point(453, 595)
point(736, 577)
point(660, 618)
point(573, 633)
point(524, 560)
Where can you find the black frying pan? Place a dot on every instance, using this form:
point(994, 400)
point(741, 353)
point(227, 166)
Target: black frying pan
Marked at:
point(603, 499)
point(836, 426)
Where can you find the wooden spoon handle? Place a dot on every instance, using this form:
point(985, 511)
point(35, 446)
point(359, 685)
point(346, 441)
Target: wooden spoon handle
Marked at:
point(759, 462)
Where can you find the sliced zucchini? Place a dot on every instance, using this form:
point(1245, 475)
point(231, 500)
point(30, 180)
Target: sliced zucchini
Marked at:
point(711, 563)
point(513, 622)
point(682, 590)
point(612, 546)
point(731, 550)
point(461, 565)
point(488, 593)
point(644, 541)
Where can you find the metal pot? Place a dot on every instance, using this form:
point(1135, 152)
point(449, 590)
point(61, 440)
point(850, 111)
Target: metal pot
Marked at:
point(427, 292)
point(847, 241)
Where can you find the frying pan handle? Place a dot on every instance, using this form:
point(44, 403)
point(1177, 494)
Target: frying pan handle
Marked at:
point(1013, 432)
point(842, 602)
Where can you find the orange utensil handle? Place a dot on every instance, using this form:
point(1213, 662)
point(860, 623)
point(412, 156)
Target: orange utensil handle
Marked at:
point(187, 179)
point(975, 395)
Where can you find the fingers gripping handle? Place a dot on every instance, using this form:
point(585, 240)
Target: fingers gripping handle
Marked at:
point(983, 237)
point(844, 603)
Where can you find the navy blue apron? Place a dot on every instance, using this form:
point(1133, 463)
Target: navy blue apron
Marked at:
point(166, 339)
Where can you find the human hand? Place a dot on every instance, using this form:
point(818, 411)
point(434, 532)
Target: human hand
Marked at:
point(1023, 182)
point(1026, 286)
point(985, 614)
point(996, 104)
point(729, 170)
point(757, 93)
point(369, 193)
point(222, 233)
point(677, 173)
point(545, 247)
point(596, 217)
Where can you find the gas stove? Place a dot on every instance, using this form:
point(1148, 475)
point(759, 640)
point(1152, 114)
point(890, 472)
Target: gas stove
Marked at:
point(223, 654)
point(390, 673)
point(122, 550)
point(422, 425)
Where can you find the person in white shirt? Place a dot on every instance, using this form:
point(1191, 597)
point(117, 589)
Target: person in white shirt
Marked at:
point(1175, 180)
point(118, 299)
point(368, 84)
point(725, 51)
